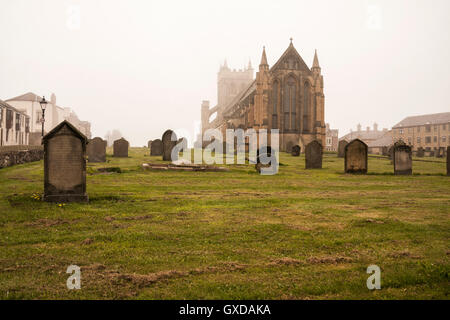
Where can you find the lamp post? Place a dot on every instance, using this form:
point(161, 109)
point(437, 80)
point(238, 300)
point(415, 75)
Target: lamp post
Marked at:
point(43, 103)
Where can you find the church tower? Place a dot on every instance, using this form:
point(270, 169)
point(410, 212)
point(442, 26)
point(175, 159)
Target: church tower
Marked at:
point(231, 82)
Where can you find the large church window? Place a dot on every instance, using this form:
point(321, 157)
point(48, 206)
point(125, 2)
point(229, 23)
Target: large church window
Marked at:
point(306, 108)
point(275, 105)
point(289, 105)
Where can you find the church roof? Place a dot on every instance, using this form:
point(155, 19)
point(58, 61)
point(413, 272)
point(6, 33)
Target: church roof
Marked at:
point(29, 96)
point(435, 118)
point(291, 51)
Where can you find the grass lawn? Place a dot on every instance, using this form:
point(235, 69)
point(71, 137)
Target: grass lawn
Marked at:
point(300, 234)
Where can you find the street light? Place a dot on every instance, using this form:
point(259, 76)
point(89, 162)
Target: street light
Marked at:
point(43, 103)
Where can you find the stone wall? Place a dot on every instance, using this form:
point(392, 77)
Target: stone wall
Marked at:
point(12, 155)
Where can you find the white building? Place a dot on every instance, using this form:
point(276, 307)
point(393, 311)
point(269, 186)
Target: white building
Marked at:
point(14, 126)
point(30, 104)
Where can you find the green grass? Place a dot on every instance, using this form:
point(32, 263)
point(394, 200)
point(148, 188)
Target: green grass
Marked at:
point(300, 234)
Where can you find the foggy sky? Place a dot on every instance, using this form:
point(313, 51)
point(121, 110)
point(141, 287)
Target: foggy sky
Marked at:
point(145, 66)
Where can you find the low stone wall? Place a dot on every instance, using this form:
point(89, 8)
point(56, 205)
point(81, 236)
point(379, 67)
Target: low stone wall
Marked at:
point(12, 155)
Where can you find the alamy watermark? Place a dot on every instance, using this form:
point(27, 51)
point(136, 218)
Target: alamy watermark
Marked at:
point(232, 148)
point(374, 281)
point(74, 281)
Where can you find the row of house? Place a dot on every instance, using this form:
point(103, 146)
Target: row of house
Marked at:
point(14, 125)
point(430, 132)
point(27, 115)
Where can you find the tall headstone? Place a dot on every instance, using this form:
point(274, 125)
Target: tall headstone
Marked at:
point(65, 164)
point(448, 161)
point(341, 148)
point(420, 152)
point(96, 150)
point(183, 144)
point(296, 151)
point(356, 157)
point(402, 160)
point(156, 149)
point(120, 148)
point(313, 155)
point(169, 141)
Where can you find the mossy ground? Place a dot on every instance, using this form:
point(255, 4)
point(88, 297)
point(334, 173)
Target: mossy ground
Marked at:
point(300, 234)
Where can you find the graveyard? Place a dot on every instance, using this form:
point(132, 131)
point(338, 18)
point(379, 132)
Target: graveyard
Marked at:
point(299, 234)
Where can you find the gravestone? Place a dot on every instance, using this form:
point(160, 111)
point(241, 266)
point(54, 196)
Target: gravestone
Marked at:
point(65, 164)
point(121, 148)
point(448, 161)
point(385, 151)
point(440, 152)
point(169, 141)
point(289, 146)
point(402, 160)
point(341, 148)
point(156, 148)
point(149, 144)
point(356, 157)
point(296, 151)
point(183, 144)
point(313, 155)
point(264, 158)
point(420, 152)
point(96, 150)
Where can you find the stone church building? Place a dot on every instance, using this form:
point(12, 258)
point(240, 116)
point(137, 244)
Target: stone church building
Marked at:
point(287, 96)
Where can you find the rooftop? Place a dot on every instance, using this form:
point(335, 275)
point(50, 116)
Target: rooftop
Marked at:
point(435, 118)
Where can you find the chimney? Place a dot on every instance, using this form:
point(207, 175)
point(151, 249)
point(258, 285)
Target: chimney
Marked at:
point(359, 127)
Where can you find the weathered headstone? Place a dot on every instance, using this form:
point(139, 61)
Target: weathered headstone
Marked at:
point(120, 148)
point(356, 157)
point(156, 148)
point(313, 155)
point(420, 152)
point(296, 151)
point(341, 148)
point(96, 150)
point(184, 144)
point(289, 146)
point(169, 141)
point(385, 151)
point(65, 164)
point(448, 161)
point(402, 160)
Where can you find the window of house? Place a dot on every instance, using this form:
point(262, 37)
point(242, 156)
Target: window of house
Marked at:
point(435, 128)
point(427, 139)
point(427, 128)
point(434, 139)
point(418, 140)
point(38, 116)
point(444, 138)
point(400, 131)
point(418, 129)
point(444, 127)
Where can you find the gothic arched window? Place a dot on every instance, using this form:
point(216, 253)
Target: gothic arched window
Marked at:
point(306, 107)
point(275, 105)
point(289, 105)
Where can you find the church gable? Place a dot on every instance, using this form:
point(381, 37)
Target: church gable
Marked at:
point(290, 60)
